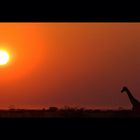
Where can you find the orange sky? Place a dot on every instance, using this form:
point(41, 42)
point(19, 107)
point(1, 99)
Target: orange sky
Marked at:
point(79, 64)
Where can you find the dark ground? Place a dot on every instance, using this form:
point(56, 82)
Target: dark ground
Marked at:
point(69, 124)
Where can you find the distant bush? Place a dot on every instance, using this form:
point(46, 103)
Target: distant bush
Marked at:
point(71, 109)
point(120, 108)
point(67, 111)
point(53, 109)
point(12, 107)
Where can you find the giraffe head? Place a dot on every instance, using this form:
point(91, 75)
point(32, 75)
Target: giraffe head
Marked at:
point(124, 89)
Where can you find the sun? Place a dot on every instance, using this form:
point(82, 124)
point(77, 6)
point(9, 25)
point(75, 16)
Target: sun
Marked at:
point(4, 57)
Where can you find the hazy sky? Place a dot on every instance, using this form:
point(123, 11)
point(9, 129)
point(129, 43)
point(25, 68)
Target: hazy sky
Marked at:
point(78, 64)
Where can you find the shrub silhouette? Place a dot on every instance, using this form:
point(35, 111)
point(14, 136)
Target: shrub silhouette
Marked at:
point(53, 109)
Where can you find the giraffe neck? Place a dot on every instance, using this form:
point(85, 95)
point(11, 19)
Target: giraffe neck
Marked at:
point(131, 98)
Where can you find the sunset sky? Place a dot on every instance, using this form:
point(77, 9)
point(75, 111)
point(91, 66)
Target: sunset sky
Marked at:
point(69, 64)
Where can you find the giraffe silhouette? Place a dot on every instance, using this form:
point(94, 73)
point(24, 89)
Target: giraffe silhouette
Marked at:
point(135, 103)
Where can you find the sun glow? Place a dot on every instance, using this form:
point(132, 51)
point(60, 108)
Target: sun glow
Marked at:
point(4, 57)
